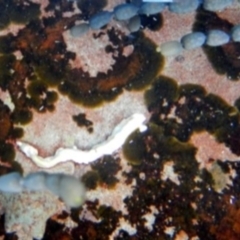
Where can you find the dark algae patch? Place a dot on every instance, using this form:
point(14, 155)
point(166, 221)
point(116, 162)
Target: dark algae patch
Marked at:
point(91, 179)
point(195, 110)
point(134, 148)
point(82, 121)
point(132, 73)
point(89, 230)
point(224, 59)
point(7, 152)
point(91, 7)
point(165, 143)
point(188, 202)
point(103, 173)
point(14, 11)
point(153, 22)
point(42, 99)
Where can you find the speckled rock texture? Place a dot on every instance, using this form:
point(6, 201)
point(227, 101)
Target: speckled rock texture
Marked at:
point(26, 213)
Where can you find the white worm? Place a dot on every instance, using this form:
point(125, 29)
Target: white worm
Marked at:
point(113, 143)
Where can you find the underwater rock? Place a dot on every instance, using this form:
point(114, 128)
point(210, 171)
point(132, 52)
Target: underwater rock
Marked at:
point(71, 191)
point(193, 40)
point(184, 6)
point(151, 8)
point(137, 3)
point(11, 183)
point(52, 183)
point(35, 181)
point(79, 30)
point(217, 38)
point(235, 33)
point(134, 24)
point(216, 5)
point(125, 11)
point(100, 19)
point(171, 48)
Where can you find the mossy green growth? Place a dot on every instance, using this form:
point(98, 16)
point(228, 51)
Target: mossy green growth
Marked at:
point(91, 179)
point(107, 169)
point(48, 73)
point(22, 116)
point(7, 152)
point(6, 43)
point(152, 63)
point(6, 63)
point(90, 100)
point(16, 167)
point(134, 148)
point(17, 132)
point(103, 173)
point(24, 13)
point(41, 98)
point(81, 120)
point(17, 12)
point(189, 90)
point(162, 88)
point(218, 114)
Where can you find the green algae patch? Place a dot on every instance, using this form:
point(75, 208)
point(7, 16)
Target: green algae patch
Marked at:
point(48, 72)
point(190, 90)
point(6, 64)
point(17, 132)
point(6, 46)
point(17, 13)
point(82, 121)
point(165, 194)
point(107, 168)
point(41, 98)
point(91, 179)
point(23, 13)
point(180, 110)
point(151, 61)
point(7, 152)
point(162, 88)
point(134, 148)
point(103, 173)
point(131, 73)
point(23, 116)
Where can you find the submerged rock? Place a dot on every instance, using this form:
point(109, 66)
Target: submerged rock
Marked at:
point(134, 24)
point(235, 33)
point(79, 30)
point(125, 11)
point(100, 19)
point(151, 8)
point(171, 48)
point(217, 38)
point(193, 40)
point(184, 6)
point(11, 183)
point(216, 5)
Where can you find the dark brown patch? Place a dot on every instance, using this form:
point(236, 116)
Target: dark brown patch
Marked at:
point(224, 59)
